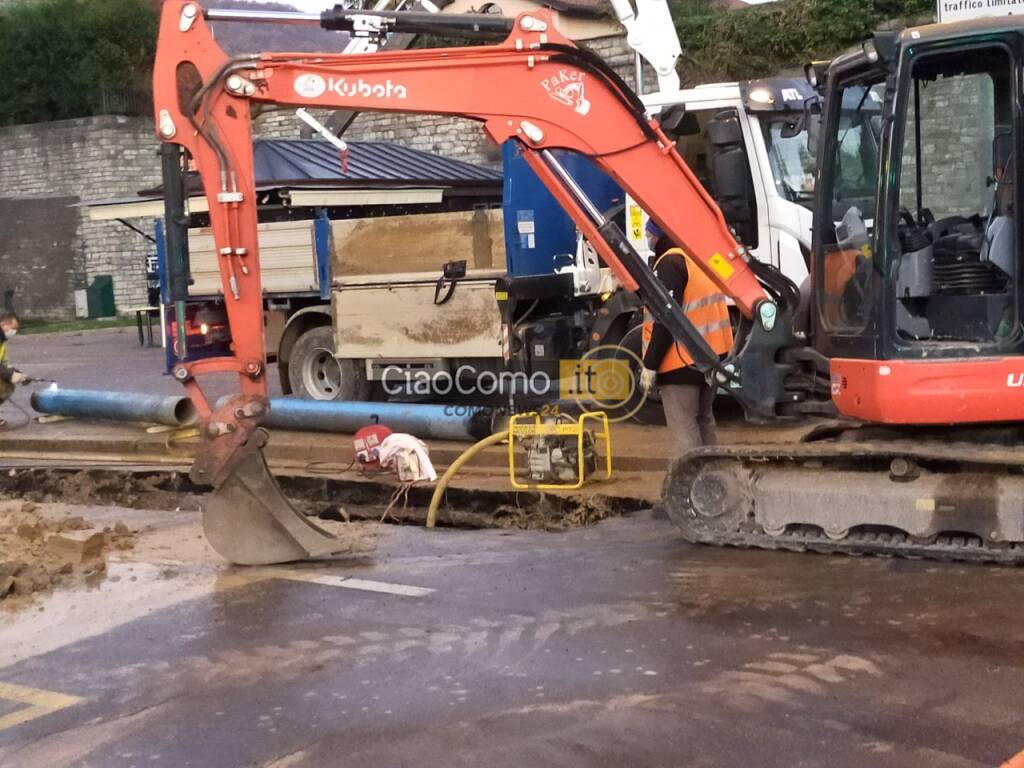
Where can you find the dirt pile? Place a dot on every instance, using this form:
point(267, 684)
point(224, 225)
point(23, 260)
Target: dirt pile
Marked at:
point(41, 549)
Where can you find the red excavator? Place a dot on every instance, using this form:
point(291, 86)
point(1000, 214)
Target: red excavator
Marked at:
point(911, 329)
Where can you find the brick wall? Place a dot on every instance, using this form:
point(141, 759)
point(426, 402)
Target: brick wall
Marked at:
point(50, 167)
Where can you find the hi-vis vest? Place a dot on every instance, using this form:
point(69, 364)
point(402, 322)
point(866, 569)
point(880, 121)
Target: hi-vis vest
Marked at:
point(704, 306)
point(6, 388)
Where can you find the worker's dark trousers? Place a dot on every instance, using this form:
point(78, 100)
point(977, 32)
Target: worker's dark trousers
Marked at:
point(689, 415)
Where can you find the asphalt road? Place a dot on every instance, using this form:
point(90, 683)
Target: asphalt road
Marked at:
point(613, 645)
point(608, 646)
point(105, 359)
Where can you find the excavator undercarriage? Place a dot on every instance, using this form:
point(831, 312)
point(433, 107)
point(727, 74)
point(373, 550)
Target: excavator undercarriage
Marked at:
point(939, 500)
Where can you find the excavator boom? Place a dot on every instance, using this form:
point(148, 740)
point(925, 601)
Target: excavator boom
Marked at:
point(535, 87)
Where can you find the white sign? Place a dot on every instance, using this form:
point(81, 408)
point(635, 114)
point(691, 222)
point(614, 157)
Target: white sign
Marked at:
point(960, 10)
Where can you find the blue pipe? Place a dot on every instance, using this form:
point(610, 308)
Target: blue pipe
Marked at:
point(174, 411)
point(438, 422)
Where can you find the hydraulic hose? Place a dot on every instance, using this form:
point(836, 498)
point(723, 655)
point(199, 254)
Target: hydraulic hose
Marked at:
point(442, 483)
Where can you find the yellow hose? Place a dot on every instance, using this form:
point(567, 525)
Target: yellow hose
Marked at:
point(442, 483)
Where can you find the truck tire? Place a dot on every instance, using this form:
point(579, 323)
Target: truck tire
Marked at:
point(316, 374)
point(651, 412)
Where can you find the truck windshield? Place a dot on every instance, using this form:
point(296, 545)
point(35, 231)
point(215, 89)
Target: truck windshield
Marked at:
point(791, 161)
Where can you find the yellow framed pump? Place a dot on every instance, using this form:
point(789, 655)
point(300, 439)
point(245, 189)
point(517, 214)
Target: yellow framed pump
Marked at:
point(559, 445)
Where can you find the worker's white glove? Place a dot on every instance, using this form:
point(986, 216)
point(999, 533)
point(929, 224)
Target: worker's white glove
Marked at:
point(19, 378)
point(647, 379)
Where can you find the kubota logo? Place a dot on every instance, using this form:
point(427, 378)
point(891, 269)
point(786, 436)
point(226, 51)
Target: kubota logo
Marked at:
point(567, 88)
point(312, 86)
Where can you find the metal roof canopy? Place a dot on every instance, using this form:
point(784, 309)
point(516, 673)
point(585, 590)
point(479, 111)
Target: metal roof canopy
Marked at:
point(311, 173)
point(281, 162)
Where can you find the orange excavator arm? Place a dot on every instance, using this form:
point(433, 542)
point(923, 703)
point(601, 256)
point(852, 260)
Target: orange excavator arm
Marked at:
point(536, 87)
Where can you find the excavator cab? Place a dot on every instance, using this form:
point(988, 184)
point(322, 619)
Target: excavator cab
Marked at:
point(916, 311)
point(916, 246)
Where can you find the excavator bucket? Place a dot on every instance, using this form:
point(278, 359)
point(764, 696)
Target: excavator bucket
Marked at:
point(248, 521)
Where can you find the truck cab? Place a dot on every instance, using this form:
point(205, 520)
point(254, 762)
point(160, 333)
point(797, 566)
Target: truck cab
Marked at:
point(747, 143)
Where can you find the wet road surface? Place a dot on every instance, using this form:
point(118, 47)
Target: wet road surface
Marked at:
point(606, 646)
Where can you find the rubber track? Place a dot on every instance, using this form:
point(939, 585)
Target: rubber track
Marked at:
point(953, 548)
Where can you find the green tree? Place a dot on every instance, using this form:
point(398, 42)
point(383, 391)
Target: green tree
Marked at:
point(764, 39)
point(73, 58)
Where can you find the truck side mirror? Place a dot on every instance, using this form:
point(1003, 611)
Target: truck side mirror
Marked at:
point(793, 128)
point(731, 184)
point(676, 121)
point(812, 123)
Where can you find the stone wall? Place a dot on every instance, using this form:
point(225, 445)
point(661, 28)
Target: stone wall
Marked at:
point(48, 168)
point(957, 131)
point(48, 248)
point(451, 136)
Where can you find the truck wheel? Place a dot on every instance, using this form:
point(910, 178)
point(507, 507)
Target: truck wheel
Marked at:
point(316, 374)
point(651, 411)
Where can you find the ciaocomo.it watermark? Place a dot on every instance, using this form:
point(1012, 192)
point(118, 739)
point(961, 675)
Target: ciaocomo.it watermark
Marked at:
point(604, 379)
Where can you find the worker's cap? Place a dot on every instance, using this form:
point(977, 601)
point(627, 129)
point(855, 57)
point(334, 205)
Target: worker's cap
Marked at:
point(653, 228)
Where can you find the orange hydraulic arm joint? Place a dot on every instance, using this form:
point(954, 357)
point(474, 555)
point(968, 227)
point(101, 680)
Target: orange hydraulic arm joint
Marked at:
point(535, 87)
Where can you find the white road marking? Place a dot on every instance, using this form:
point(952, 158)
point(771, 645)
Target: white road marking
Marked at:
point(366, 585)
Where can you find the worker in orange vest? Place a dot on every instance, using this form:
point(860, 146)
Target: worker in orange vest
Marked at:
point(686, 395)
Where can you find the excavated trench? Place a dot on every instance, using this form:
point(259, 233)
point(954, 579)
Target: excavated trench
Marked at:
point(323, 497)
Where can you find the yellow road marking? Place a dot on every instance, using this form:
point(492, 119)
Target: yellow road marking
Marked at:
point(37, 703)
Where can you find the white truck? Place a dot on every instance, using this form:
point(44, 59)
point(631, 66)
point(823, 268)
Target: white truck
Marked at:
point(756, 164)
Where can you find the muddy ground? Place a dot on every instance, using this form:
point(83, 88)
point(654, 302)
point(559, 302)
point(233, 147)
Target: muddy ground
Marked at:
point(606, 645)
point(48, 542)
point(323, 497)
point(46, 546)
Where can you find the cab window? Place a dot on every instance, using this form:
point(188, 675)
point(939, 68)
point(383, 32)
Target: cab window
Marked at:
point(711, 143)
point(844, 285)
point(956, 265)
